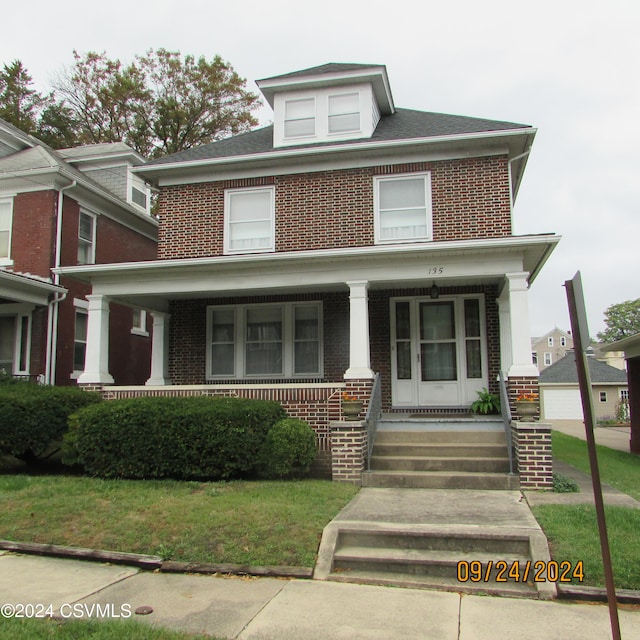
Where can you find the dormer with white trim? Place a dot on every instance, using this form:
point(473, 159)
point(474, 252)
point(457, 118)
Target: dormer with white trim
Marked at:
point(329, 103)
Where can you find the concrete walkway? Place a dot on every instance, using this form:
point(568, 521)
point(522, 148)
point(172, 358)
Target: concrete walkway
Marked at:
point(612, 437)
point(267, 608)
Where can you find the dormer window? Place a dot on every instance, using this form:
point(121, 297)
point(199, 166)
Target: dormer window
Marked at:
point(344, 113)
point(139, 193)
point(300, 118)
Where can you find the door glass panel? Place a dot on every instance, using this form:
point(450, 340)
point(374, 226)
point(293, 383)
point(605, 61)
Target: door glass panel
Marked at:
point(306, 340)
point(223, 342)
point(472, 318)
point(403, 360)
point(474, 359)
point(437, 321)
point(403, 323)
point(438, 360)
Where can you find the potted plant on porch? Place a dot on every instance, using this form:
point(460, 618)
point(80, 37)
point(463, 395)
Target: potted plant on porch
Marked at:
point(527, 406)
point(351, 407)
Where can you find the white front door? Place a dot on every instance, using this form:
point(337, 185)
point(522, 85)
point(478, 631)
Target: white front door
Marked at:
point(438, 351)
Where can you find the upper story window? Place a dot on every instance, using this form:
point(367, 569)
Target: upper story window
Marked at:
point(563, 341)
point(86, 238)
point(547, 359)
point(139, 193)
point(344, 113)
point(6, 219)
point(249, 220)
point(299, 118)
point(403, 208)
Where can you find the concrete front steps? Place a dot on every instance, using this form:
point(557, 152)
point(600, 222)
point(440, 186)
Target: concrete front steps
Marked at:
point(420, 453)
point(439, 559)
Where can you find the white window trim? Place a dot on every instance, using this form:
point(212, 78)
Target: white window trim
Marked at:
point(288, 322)
point(6, 261)
point(92, 259)
point(377, 180)
point(344, 132)
point(141, 329)
point(137, 182)
point(548, 361)
point(227, 211)
point(83, 307)
point(550, 341)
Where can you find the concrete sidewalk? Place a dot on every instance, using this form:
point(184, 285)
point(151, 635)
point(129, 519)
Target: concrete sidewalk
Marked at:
point(267, 608)
point(612, 437)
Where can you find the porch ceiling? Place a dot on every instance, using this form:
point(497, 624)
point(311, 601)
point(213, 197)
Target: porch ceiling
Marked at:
point(152, 284)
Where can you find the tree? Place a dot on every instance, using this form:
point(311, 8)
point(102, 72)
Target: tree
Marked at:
point(19, 103)
point(160, 103)
point(622, 320)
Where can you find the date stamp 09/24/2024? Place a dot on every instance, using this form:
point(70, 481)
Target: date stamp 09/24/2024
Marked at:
point(518, 571)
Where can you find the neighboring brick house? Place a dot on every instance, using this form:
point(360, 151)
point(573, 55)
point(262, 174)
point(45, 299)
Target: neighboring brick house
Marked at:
point(550, 347)
point(348, 239)
point(59, 208)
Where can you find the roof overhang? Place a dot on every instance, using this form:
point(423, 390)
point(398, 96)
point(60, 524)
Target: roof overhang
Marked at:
point(515, 143)
point(630, 345)
point(21, 288)
point(152, 284)
point(376, 75)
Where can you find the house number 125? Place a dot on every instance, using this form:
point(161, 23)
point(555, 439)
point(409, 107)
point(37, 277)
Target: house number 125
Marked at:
point(434, 271)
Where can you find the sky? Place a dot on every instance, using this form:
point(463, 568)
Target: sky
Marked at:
point(569, 68)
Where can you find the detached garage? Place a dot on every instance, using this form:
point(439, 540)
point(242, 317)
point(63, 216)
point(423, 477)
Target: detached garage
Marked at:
point(560, 393)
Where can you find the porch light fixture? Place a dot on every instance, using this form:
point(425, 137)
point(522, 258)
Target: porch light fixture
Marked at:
point(434, 292)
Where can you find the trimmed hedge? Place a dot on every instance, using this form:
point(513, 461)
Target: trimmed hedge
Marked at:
point(182, 438)
point(289, 449)
point(34, 417)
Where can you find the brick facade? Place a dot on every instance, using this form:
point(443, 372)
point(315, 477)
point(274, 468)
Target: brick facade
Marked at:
point(33, 242)
point(334, 209)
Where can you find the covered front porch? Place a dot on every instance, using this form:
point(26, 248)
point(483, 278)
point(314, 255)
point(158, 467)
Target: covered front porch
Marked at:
point(437, 323)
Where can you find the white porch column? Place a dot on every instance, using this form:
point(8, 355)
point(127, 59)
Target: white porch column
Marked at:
point(159, 350)
point(359, 356)
point(506, 356)
point(520, 332)
point(96, 366)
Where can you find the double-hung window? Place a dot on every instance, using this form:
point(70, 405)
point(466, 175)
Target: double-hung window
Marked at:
point(403, 208)
point(80, 340)
point(344, 113)
point(6, 217)
point(86, 238)
point(249, 220)
point(265, 341)
point(300, 118)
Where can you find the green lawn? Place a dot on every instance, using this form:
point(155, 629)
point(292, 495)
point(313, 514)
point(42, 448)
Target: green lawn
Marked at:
point(258, 523)
point(617, 468)
point(40, 629)
point(572, 531)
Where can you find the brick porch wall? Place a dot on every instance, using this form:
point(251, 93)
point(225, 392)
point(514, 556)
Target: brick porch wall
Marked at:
point(531, 440)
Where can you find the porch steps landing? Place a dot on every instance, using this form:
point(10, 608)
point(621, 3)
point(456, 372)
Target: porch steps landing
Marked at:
point(440, 453)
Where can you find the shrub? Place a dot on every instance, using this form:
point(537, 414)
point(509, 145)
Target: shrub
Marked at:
point(33, 418)
point(182, 438)
point(487, 403)
point(289, 449)
point(564, 484)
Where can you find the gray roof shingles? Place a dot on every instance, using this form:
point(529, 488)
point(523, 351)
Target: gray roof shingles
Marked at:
point(565, 371)
point(405, 124)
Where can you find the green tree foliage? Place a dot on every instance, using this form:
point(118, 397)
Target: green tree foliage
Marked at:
point(622, 320)
point(19, 102)
point(161, 103)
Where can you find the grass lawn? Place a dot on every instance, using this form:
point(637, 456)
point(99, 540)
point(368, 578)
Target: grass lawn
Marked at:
point(572, 530)
point(40, 629)
point(617, 468)
point(258, 523)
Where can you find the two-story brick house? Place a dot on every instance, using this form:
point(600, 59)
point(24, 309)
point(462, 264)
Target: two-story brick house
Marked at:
point(69, 207)
point(348, 239)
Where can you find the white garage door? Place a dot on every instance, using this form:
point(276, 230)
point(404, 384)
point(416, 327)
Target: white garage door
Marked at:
point(562, 404)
